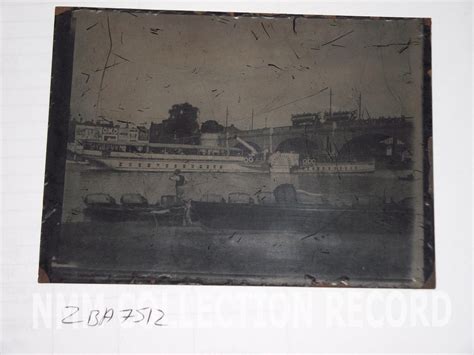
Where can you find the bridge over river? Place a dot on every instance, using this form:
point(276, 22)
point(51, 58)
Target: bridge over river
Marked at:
point(349, 137)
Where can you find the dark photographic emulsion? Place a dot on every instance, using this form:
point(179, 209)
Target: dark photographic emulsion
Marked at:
point(239, 149)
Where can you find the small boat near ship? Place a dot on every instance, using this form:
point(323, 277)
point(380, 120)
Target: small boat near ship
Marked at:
point(283, 209)
point(133, 207)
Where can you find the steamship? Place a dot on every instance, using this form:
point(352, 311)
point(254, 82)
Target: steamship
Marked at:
point(160, 157)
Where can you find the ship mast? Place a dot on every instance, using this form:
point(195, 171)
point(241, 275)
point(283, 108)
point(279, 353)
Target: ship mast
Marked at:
point(360, 105)
point(252, 120)
point(330, 103)
point(226, 133)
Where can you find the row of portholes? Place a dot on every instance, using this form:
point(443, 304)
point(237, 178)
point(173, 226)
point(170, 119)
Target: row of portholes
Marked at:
point(169, 166)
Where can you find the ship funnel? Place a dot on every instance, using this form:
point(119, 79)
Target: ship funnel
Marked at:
point(246, 145)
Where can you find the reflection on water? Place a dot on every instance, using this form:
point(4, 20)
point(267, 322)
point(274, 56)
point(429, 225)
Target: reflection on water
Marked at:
point(81, 180)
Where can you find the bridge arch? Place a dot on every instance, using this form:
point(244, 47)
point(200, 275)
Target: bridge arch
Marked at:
point(381, 146)
point(300, 145)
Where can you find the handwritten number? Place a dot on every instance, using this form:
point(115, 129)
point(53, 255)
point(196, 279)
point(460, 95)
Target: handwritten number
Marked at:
point(162, 314)
point(143, 316)
point(149, 315)
point(94, 318)
point(129, 315)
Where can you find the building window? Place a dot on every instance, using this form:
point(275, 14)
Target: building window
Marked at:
point(129, 164)
point(200, 166)
point(192, 166)
point(120, 164)
point(184, 166)
point(167, 165)
point(149, 165)
point(220, 167)
point(175, 165)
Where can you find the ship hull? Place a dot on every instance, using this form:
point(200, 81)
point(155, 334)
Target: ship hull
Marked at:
point(170, 164)
point(336, 168)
